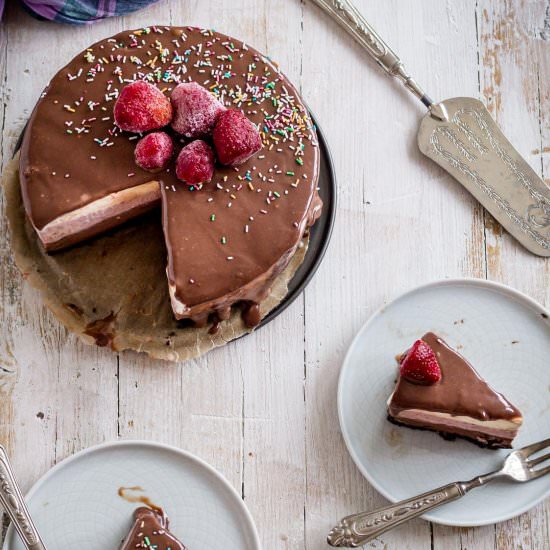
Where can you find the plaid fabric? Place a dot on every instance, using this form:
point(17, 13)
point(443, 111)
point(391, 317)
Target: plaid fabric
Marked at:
point(80, 12)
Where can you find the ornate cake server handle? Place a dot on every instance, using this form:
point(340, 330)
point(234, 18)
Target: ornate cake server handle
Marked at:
point(348, 17)
point(357, 529)
point(12, 501)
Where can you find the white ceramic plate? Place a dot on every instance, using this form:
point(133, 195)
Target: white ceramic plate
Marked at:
point(76, 505)
point(506, 336)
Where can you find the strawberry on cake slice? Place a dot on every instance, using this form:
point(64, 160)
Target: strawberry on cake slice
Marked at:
point(439, 390)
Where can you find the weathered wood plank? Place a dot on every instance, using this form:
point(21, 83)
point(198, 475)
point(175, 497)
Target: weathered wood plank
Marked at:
point(57, 396)
point(514, 74)
point(197, 405)
point(240, 408)
point(401, 221)
point(274, 408)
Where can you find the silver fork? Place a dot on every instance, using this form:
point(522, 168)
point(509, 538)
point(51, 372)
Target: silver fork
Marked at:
point(12, 501)
point(357, 529)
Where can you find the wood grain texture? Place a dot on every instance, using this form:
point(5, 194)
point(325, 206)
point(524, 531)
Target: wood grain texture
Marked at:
point(396, 209)
point(262, 410)
point(514, 71)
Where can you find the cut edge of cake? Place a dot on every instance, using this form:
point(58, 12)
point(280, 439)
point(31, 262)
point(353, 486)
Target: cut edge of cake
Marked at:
point(99, 216)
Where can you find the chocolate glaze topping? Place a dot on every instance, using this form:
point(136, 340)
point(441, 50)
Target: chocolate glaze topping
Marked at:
point(460, 392)
point(227, 241)
point(150, 530)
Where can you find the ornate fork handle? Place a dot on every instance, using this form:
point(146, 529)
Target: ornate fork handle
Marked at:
point(348, 17)
point(12, 501)
point(355, 530)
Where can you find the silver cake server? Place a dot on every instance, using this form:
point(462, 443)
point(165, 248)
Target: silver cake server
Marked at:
point(460, 135)
point(12, 501)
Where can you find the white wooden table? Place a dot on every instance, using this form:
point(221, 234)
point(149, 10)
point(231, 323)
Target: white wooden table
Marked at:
point(263, 410)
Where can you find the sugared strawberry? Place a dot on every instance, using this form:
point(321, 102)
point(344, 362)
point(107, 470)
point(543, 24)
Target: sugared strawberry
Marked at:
point(195, 163)
point(141, 107)
point(154, 151)
point(196, 110)
point(236, 139)
point(420, 365)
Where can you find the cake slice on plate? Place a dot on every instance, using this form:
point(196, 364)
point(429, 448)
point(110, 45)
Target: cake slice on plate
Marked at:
point(439, 390)
point(150, 530)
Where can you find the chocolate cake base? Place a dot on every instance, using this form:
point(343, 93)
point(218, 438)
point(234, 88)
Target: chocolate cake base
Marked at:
point(488, 443)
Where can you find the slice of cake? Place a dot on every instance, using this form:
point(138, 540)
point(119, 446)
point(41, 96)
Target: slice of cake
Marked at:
point(150, 530)
point(439, 390)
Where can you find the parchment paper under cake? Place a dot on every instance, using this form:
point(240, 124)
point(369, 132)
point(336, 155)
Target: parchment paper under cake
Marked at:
point(112, 290)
